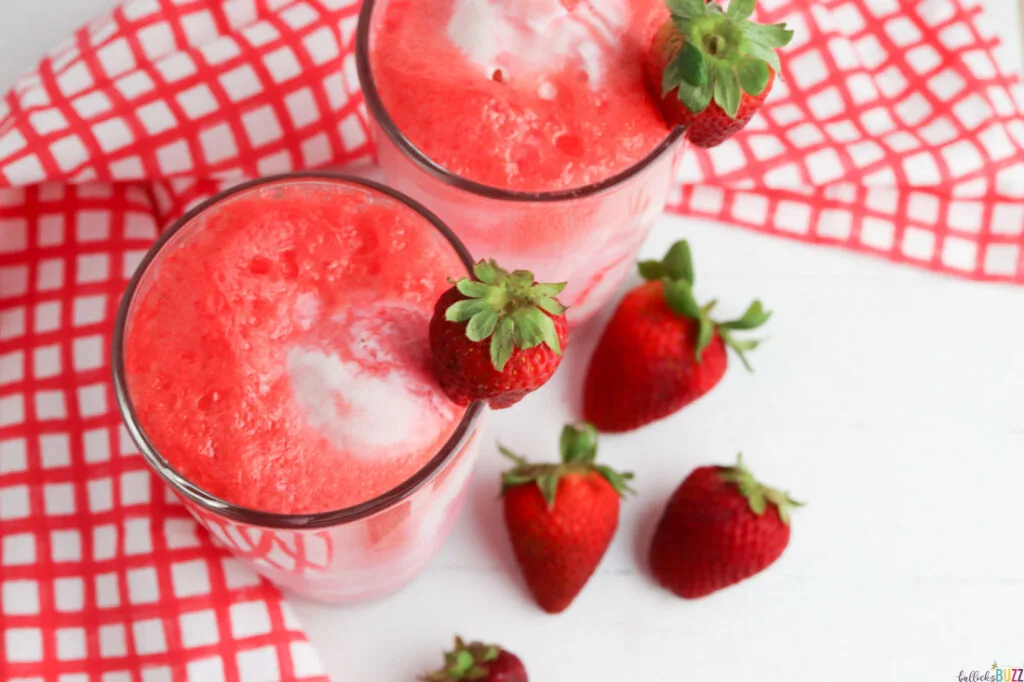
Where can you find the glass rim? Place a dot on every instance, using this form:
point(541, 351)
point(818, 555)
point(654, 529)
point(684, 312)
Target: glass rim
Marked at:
point(218, 506)
point(380, 114)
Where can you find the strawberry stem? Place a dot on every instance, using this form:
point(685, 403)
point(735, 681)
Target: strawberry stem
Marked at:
point(724, 54)
point(509, 308)
point(578, 445)
point(464, 662)
point(758, 496)
point(676, 273)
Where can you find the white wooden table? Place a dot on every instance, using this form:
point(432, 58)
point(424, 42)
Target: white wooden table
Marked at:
point(889, 399)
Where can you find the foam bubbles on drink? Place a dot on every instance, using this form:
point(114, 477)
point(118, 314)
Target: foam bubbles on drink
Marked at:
point(510, 37)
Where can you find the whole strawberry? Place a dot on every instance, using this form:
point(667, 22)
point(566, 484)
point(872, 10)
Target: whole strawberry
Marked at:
point(712, 69)
point(661, 350)
point(498, 336)
point(561, 517)
point(720, 527)
point(479, 662)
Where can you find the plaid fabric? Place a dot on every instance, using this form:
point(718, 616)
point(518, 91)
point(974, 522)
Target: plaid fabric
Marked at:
point(895, 133)
point(104, 576)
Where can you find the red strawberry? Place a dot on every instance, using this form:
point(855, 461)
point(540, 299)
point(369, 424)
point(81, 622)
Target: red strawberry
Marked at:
point(479, 662)
point(711, 69)
point(524, 322)
point(561, 517)
point(720, 527)
point(661, 351)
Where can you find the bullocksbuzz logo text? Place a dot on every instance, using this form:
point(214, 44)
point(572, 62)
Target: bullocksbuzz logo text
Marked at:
point(997, 673)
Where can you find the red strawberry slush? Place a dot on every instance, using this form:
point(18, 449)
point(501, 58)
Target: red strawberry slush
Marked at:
point(277, 357)
point(535, 96)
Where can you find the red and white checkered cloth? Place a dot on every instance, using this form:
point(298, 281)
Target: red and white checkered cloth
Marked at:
point(895, 134)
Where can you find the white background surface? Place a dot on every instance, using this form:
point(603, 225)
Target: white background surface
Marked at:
point(889, 399)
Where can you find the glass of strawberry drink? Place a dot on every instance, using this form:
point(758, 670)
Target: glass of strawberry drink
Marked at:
point(271, 361)
point(545, 132)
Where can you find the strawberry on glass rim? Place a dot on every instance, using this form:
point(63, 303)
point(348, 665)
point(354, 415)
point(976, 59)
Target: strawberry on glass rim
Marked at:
point(713, 68)
point(498, 336)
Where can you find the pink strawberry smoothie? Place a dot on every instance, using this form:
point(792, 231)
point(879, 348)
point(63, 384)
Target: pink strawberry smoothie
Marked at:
point(529, 95)
point(277, 352)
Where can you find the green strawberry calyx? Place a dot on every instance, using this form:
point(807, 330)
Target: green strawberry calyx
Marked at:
point(723, 54)
point(578, 447)
point(508, 308)
point(676, 273)
point(465, 662)
point(758, 496)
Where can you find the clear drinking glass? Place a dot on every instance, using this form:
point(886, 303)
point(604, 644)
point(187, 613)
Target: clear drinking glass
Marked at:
point(350, 554)
point(586, 236)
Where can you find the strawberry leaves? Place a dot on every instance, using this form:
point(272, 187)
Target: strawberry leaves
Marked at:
point(502, 343)
point(761, 41)
point(706, 331)
point(686, 12)
point(691, 65)
point(680, 298)
point(752, 75)
point(676, 265)
point(578, 447)
point(578, 443)
point(723, 55)
point(465, 662)
point(482, 325)
point(676, 273)
point(508, 308)
point(767, 35)
point(758, 496)
point(740, 9)
point(688, 72)
point(727, 89)
point(752, 318)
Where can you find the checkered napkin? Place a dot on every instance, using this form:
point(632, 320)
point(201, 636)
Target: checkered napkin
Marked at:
point(895, 133)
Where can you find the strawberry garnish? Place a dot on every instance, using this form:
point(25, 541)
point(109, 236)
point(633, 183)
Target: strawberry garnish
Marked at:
point(712, 68)
point(498, 336)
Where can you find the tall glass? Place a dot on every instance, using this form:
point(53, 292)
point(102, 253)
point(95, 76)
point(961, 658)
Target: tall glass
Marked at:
point(341, 555)
point(588, 236)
